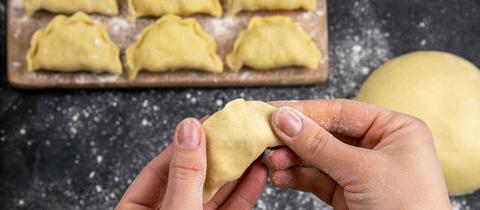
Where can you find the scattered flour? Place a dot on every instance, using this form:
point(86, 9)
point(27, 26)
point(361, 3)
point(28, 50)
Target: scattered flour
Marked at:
point(88, 79)
point(16, 64)
point(16, 3)
point(221, 27)
point(119, 24)
point(459, 204)
point(357, 48)
point(17, 33)
point(219, 102)
point(23, 19)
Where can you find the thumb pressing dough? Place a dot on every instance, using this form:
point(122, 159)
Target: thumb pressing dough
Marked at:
point(236, 136)
point(444, 91)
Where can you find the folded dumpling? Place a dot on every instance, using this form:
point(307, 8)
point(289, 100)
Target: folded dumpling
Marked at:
point(271, 43)
point(236, 136)
point(76, 43)
point(235, 6)
point(106, 7)
point(156, 8)
point(173, 43)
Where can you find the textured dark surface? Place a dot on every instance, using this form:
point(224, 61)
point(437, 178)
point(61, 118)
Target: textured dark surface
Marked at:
point(80, 149)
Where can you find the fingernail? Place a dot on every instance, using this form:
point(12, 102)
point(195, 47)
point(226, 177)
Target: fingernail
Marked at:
point(289, 122)
point(188, 134)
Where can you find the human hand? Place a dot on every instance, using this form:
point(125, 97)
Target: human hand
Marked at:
point(357, 156)
point(175, 178)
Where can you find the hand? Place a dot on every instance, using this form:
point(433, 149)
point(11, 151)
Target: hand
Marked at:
point(175, 178)
point(357, 156)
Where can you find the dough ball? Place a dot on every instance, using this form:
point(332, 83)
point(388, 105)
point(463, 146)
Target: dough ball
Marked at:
point(444, 91)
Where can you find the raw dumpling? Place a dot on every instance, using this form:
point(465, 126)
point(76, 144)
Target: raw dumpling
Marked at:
point(173, 43)
point(140, 8)
point(236, 136)
point(271, 43)
point(235, 6)
point(106, 7)
point(76, 43)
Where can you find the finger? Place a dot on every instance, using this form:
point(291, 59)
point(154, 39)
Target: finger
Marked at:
point(305, 179)
point(249, 189)
point(347, 117)
point(221, 195)
point(187, 167)
point(148, 189)
point(224, 192)
point(338, 199)
point(318, 147)
point(204, 118)
point(283, 158)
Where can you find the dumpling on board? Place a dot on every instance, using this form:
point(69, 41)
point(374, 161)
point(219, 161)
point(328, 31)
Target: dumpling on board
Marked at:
point(76, 43)
point(106, 7)
point(173, 43)
point(156, 8)
point(235, 6)
point(271, 43)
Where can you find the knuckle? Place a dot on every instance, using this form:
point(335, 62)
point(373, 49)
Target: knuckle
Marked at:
point(213, 204)
point(412, 120)
point(242, 202)
point(186, 169)
point(419, 123)
point(317, 145)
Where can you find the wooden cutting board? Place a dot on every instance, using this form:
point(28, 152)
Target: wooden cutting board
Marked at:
point(123, 32)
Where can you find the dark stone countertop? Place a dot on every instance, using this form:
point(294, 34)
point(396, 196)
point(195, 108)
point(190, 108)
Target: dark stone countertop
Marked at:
point(80, 149)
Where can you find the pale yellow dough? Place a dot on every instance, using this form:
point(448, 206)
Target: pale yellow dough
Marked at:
point(271, 43)
point(76, 43)
point(106, 7)
point(235, 6)
point(444, 91)
point(156, 8)
point(236, 136)
point(173, 43)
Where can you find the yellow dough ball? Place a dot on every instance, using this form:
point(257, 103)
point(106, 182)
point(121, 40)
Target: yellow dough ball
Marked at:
point(444, 91)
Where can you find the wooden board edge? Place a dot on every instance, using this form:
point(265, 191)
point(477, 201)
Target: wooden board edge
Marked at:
point(26, 86)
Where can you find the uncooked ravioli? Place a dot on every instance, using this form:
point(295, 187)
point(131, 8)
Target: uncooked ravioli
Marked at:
point(235, 6)
point(273, 42)
point(76, 43)
point(106, 7)
point(236, 136)
point(156, 8)
point(444, 91)
point(173, 43)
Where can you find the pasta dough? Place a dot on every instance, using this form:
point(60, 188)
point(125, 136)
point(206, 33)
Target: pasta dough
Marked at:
point(76, 43)
point(106, 7)
point(444, 91)
point(140, 8)
point(173, 43)
point(235, 6)
point(273, 42)
point(236, 136)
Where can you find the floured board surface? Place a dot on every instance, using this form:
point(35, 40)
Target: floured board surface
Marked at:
point(123, 32)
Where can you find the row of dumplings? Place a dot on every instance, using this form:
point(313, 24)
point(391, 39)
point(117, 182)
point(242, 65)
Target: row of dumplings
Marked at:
point(156, 8)
point(79, 43)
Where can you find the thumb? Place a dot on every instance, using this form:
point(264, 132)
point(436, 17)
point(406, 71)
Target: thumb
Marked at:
point(318, 147)
point(187, 167)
